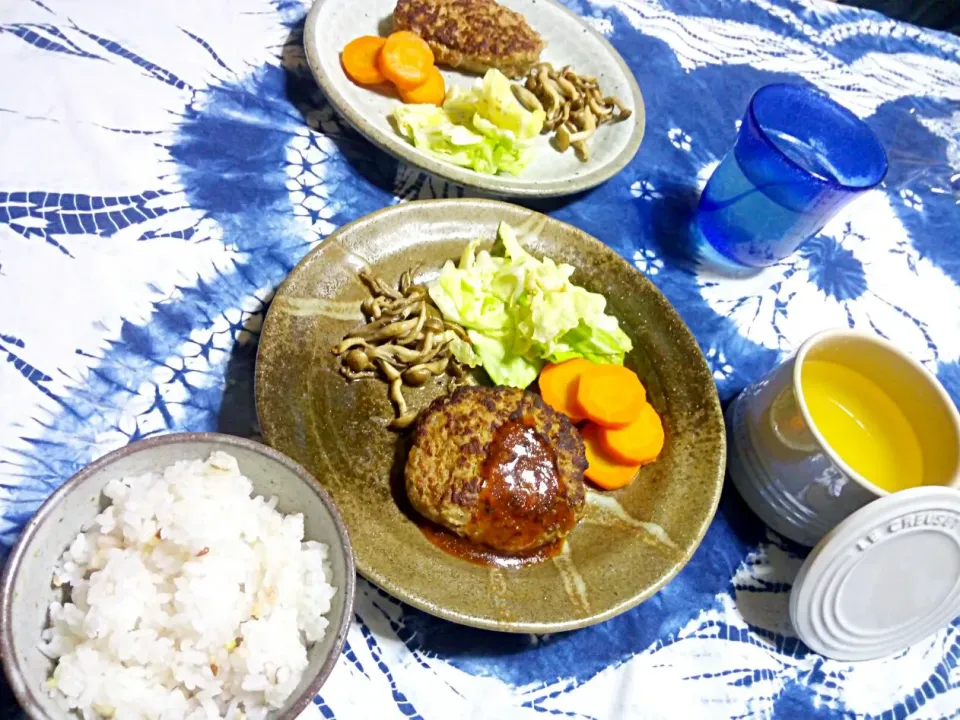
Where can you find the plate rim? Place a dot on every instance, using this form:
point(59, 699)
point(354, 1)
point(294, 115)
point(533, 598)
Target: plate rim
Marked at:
point(397, 591)
point(464, 177)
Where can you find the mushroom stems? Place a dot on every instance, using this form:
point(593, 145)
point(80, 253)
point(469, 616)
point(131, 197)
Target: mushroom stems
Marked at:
point(405, 342)
point(573, 105)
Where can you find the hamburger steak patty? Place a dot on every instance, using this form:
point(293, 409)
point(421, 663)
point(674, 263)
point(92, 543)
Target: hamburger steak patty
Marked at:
point(499, 467)
point(472, 35)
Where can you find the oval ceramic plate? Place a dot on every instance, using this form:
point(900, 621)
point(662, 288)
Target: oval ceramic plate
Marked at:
point(630, 543)
point(331, 24)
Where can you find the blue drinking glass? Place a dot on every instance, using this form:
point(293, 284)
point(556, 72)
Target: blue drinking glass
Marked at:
point(798, 159)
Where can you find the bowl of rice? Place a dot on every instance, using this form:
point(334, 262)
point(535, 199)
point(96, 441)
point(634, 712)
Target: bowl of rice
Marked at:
point(190, 576)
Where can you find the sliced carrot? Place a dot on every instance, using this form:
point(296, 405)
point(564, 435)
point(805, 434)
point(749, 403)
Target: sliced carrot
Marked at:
point(359, 60)
point(559, 383)
point(639, 442)
point(432, 92)
point(603, 469)
point(611, 395)
point(405, 60)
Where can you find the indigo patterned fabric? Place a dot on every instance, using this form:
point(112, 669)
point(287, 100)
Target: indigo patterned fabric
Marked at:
point(164, 165)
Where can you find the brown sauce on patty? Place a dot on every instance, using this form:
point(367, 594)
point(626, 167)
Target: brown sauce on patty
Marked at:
point(523, 497)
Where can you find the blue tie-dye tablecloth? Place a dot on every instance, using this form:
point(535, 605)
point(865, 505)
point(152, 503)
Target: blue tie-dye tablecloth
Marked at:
point(163, 165)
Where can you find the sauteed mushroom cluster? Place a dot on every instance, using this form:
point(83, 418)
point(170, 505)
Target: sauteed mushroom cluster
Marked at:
point(405, 341)
point(574, 105)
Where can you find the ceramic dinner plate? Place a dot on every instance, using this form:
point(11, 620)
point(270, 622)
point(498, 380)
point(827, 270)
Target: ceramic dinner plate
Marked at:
point(331, 24)
point(630, 543)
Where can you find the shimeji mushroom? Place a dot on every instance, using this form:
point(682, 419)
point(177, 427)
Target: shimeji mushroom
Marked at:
point(568, 100)
point(586, 125)
point(526, 98)
point(406, 341)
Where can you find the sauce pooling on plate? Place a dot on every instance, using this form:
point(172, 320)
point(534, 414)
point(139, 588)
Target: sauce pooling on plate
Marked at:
point(466, 549)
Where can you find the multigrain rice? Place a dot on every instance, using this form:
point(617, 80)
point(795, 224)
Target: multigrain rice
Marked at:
point(188, 598)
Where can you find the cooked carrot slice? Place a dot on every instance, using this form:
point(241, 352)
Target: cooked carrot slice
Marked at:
point(639, 442)
point(432, 92)
point(405, 60)
point(611, 395)
point(559, 383)
point(603, 469)
point(359, 59)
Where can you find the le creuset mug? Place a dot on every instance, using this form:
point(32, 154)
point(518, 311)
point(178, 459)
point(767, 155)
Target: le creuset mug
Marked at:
point(786, 470)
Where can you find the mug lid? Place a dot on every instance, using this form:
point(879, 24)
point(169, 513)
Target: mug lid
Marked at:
point(884, 578)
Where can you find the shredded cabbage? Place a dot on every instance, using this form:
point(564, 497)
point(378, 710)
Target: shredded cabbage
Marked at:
point(483, 128)
point(520, 312)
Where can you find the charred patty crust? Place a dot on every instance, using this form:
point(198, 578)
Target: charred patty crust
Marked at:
point(472, 35)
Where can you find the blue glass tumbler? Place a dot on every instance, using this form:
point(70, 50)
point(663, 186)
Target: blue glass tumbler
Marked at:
point(798, 159)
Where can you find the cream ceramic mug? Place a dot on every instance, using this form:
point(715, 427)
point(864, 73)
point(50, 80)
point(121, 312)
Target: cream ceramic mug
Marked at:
point(786, 470)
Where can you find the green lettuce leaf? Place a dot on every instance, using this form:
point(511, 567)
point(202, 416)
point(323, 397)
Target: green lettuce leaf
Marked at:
point(521, 312)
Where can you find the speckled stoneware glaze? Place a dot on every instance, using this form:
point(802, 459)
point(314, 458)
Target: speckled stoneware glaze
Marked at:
point(26, 589)
point(331, 24)
point(630, 543)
